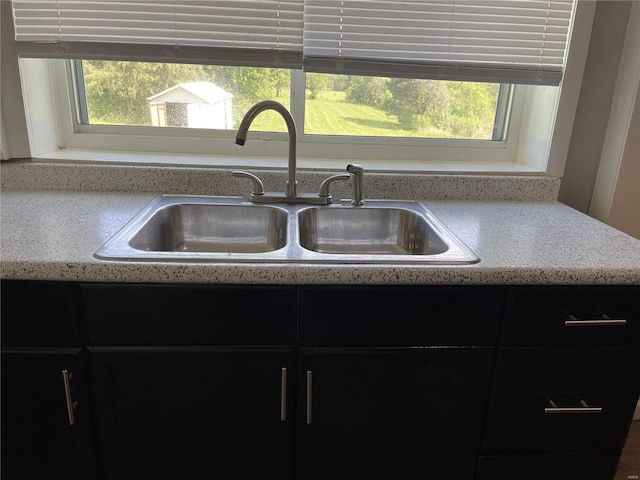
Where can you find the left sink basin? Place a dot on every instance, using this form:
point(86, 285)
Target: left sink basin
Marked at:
point(179, 228)
point(213, 228)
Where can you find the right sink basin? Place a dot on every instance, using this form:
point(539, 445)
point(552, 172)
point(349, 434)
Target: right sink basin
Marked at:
point(368, 231)
point(380, 232)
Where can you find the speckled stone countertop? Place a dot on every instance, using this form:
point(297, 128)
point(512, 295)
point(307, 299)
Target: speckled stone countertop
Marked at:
point(50, 230)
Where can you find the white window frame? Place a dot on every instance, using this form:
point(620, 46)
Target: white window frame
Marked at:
point(537, 140)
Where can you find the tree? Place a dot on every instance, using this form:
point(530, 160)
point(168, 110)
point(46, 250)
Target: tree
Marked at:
point(317, 83)
point(117, 92)
point(473, 108)
point(249, 85)
point(372, 91)
point(419, 104)
point(282, 81)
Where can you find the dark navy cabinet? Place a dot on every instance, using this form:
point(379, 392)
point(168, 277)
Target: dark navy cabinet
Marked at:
point(193, 381)
point(168, 413)
point(393, 381)
point(46, 423)
point(137, 381)
point(373, 413)
point(565, 383)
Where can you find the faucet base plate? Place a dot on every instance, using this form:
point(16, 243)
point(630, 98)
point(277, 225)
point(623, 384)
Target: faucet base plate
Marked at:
point(301, 198)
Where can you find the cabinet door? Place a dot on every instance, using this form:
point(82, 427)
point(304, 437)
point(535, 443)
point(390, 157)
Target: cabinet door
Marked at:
point(390, 413)
point(169, 413)
point(45, 424)
point(561, 399)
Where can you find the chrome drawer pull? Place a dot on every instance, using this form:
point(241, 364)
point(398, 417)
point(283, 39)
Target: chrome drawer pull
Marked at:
point(604, 321)
point(309, 392)
point(283, 395)
point(71, 405)
point(583, 409)
point(573, 410)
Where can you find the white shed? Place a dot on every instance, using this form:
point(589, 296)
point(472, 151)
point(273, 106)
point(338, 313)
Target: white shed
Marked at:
point(194, 104)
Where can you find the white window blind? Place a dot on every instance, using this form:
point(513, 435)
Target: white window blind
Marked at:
point(508, 41)
point(236, 32)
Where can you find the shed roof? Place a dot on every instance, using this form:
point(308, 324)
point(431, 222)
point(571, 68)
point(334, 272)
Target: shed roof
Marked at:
point(206, 91)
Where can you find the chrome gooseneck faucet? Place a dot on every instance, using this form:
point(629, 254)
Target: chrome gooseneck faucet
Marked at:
point(258, 195)
point(252, 113)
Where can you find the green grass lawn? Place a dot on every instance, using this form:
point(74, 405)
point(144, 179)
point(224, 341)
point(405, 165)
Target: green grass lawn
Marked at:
point(331, 114)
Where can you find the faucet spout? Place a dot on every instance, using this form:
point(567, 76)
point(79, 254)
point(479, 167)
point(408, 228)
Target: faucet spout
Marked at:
point(252, 113)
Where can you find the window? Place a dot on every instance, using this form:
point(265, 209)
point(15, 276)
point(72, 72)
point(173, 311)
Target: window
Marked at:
point(369, 106)
point(216, 97)
point(177, 95)
point(414, 81)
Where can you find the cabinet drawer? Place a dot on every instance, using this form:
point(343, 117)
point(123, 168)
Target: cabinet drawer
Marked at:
point(120, 314)
point(551, 400)
point(573, 316)
point(400, 316)
point(38, 314)
point(582, 466)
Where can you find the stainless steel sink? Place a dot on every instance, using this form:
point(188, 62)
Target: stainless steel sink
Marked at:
point(231, 229)
point(368, 231)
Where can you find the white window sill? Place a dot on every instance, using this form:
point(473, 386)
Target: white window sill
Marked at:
point(280, 163)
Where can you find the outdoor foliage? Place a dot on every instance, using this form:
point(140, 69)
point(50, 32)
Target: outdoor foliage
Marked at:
point(353, 105)
point(249, 85)
point(117, 92)
point(462, 109)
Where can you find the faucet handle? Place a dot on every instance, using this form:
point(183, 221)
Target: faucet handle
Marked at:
point(258, 186)
point(324, 186)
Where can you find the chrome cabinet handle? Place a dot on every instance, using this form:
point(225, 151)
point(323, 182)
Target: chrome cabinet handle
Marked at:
point(309, 393)
point(603, 321)
point(71, 405)
point(584, 408)
point(283, 394)
point(573, 410)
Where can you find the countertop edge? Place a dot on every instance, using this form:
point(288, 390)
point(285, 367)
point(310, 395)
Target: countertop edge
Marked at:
point(42, 239)
point(265, 274)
